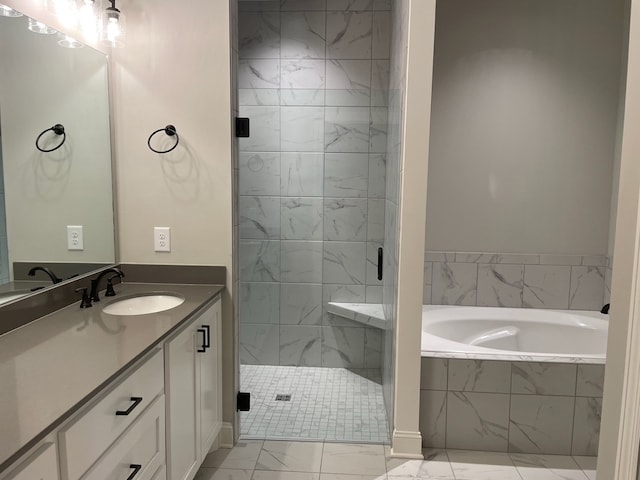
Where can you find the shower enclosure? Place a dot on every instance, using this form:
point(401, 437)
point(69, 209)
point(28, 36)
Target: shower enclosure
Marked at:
point(312, 77)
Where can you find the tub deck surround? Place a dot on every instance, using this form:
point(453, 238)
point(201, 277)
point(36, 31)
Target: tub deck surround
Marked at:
point(370, 314)
point(53, 365)
point(520, 407)
point(540, 335)
point(545, 400)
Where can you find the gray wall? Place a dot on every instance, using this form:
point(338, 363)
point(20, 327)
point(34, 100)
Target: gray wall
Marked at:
point(525, 107)
point(311, 178)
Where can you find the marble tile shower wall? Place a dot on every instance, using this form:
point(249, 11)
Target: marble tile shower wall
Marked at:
point(574, 282)
point(544, 408)
point(313, 79)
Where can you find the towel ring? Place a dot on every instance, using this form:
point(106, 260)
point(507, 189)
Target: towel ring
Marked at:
point(58, 129)
point(170, 130)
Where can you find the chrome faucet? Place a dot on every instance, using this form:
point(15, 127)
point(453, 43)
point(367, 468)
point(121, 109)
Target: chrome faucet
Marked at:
point(95, 283)
point(52, 275)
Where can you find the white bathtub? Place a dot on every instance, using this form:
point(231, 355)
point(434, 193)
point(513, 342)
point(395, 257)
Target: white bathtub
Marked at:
point(490, 333)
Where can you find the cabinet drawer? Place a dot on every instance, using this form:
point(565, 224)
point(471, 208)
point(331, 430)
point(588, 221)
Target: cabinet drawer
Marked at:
point(43, 465)
point(139, 453)
point(86, 439)
point(161, 474)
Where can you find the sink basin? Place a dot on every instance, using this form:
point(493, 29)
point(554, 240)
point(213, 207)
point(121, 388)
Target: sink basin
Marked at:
point(144, 304)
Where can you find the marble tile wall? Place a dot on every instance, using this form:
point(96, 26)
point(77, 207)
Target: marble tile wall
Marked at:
point(569, 282)
point(522, 407)
point(313, 79)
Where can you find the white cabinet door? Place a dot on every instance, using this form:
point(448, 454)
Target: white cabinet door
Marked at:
point(210, 378)
point(182, 397)
point(193, 392)
point(43, 465)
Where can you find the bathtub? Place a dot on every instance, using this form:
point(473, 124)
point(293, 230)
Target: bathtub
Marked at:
point(514, 334)
point(512, 380)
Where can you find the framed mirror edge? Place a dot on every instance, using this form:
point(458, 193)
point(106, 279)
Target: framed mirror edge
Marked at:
point(38, 12)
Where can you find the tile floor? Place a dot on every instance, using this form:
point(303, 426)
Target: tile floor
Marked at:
point(332, 404)
point(281, 460)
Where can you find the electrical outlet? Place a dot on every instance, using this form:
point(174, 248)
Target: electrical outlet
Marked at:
point(162, 239)
point(75, 237)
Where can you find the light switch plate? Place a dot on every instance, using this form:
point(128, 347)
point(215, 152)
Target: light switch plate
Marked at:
point(162, 239)
point(75, 237)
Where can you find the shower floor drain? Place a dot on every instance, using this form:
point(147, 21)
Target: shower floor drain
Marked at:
point(283, 397)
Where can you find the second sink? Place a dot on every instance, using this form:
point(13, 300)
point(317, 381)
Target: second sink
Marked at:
point(144, 304)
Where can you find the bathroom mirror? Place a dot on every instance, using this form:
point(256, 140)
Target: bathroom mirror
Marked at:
point(43, 193)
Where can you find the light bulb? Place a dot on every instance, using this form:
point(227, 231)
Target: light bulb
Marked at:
point(113, 28)
point(88, 20)
point(39, 27)
point(65, 10)
point(8, 12)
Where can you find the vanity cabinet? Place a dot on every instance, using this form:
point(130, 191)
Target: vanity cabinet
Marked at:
point(104, 422)
point(193, 392)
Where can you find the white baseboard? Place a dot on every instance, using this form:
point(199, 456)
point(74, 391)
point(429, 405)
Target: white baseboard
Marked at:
point(226, 435)
point(406, 445)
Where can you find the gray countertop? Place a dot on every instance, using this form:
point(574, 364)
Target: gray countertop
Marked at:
point(50, 367)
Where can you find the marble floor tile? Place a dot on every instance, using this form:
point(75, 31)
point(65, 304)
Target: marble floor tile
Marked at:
point(290, 456)
point(434, 466)
point(241, 457)
point(482, 466)
point(342, 476)
point(269, 475)
point(355, 459)
point(223, 474)
point(547, 467)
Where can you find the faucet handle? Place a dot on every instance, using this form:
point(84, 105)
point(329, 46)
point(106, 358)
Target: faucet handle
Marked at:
point(86, 301)
point(110, 291)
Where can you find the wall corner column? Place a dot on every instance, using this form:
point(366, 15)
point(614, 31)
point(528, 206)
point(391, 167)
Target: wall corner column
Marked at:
point(406, 439)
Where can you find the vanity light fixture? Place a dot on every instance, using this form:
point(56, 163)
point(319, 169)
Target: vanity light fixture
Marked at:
point(8, 12)
point(89, 20)
point(113, 26)
point(65, 10)
point(39, 27)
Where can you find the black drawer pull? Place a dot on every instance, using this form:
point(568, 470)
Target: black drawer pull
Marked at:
point(204, 340)
point(380, 253)
point(136, 469)
point(136, 401)
point(208, 337)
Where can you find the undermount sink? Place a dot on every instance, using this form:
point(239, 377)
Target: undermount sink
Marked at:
point(144, 304)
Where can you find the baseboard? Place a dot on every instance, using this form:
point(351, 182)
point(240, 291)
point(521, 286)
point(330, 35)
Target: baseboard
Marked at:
point(226, 435)
point(406, 445)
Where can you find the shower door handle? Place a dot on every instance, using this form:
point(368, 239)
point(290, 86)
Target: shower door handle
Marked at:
point(380, 257)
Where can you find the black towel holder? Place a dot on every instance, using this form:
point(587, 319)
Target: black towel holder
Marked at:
point(170, 130)
point(58, 129)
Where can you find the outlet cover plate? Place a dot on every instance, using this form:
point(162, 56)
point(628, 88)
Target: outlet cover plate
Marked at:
point(162, 239)
point(75, 237)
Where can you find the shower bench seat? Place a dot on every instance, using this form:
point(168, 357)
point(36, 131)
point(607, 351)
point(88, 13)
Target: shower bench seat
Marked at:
point(370, 314)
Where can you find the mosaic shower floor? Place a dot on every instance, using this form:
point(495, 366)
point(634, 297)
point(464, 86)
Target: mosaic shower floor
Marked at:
point(327, 404)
